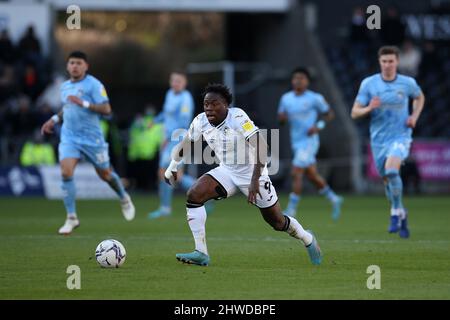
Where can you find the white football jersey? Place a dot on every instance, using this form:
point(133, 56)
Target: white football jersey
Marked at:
point(228, 140)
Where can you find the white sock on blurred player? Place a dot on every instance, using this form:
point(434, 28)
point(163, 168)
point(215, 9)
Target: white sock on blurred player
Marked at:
point(296, 230)
point(196, 217)
point(400, 212)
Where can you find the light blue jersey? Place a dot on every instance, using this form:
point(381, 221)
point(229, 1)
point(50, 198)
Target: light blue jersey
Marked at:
point(82, 126)
point(388, 121)
point(177, 113)
point(81, 133)
point(389, 134)
point(303, 112)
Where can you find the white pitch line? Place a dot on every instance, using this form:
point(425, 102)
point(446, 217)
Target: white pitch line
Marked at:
point(213, 238)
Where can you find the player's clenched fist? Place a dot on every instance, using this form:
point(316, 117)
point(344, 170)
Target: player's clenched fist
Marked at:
point(374, 103)
point(170, 175)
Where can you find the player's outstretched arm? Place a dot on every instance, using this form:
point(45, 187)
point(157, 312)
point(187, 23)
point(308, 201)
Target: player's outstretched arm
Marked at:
point(102, 108)
point(47, 127)
point(418, 104)
point(260, 148)
point(359, 111)
point(170, 174)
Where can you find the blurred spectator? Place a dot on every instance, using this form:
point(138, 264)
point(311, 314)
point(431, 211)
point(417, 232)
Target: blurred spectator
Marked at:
point(143, 146)
point(24, 72)
point(410, 57)
point(7, 54)
point(21, 117)
point(37, 152)
point(43, 113)
point(30, 82)
point(30, 47)
point(8, 84)
point(392, 28)
point(430, 59)
point(359, 36)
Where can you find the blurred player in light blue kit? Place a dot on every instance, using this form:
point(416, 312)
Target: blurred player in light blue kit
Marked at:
point(176, 114)
point(84, 100)
point(303, 109)
point(385, 96)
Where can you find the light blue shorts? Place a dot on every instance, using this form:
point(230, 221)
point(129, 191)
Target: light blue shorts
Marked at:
point(398, 149)
point(305, 155)
point(98, 156)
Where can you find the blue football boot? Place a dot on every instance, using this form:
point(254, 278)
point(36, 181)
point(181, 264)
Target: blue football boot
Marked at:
point(315, 255)
point(404, 231)
point(195, 257)
point(395, 224)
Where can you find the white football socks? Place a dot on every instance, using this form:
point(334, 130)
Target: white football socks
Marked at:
point(400, 212)
point(296, 230)
point(197, 219)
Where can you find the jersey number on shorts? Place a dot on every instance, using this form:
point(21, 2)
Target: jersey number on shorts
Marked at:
point(267, 187)
point(399, 146)
point(269, 190)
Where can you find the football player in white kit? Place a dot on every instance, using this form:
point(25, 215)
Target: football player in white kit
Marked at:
point(242, 153)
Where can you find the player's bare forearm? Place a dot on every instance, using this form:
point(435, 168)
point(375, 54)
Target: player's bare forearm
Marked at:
point(260, 146)
point(418, 104)
point(104, 108)
point(360, 111)
point(101, 108)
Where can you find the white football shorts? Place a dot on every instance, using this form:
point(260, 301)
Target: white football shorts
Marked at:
point(231, 181)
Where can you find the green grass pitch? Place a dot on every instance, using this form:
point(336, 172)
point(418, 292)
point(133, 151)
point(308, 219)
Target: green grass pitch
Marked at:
point(248, 259)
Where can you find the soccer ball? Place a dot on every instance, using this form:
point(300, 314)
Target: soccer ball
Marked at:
point(110, 254)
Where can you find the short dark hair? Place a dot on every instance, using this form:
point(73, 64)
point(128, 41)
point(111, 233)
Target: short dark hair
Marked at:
point(221, 89)
point(302, 70)
point(388, 50)
point(78, 55)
